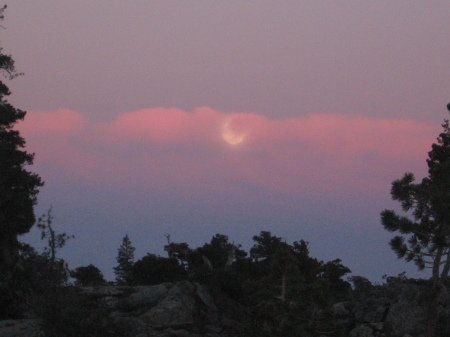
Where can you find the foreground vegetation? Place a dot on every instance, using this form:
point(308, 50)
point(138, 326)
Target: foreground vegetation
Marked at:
point(283, 290)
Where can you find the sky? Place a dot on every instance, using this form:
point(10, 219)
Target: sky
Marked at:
point(201, 117)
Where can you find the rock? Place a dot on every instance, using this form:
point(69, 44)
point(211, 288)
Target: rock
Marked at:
point(372, 310)
point(188, 309)
point(180, 306)
point(406, 317)
point(104, 290)
point(361, 331)
point(20, 328)
point(395, 310)
point(184, 309)
point(376, 327)
point(178, 309)
point(145, 296)
point(341, 309)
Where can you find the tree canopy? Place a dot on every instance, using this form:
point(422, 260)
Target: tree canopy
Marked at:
point(88, 276)
point(18, 187)
point(424, 239)
point(125, 262)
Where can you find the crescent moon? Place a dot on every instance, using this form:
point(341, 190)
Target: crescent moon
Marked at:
point(230, 136)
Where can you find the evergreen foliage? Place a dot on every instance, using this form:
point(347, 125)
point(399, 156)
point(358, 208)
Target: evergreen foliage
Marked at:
point(18, 187)
point(179, 251)
point(425, 239)
point(287, 292)
point(152, 269)
point(88, 276)
point(125, 262)
point(216, 254)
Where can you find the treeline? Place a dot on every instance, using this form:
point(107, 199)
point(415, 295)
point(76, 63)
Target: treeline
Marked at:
point(285, 291)
point(272, 268)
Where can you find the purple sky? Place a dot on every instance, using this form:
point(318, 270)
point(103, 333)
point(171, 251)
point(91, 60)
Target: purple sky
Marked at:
point(130, 105)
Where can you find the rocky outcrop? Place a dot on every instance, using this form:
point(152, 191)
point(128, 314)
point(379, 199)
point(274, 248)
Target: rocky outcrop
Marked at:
point(178, 309)
point(188, 309)
point(185, 309)
point(20, 328)
point(397, 310)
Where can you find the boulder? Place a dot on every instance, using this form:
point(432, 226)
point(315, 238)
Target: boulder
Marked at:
point(142, 297)
point(362, 331)
point(397, 310)
point(20, 328)
point(177, 309)
point(185, 309)
point(372, 310)
point(406, 317)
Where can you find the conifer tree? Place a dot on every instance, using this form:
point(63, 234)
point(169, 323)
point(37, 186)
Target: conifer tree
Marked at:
point(425, 239)
point(125, 262)
point(18, 187)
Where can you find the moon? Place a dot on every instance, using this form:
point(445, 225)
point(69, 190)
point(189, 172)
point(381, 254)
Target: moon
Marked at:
point(230, 136)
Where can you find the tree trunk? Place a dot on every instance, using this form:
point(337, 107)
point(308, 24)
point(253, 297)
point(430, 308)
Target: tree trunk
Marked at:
point(283, 287)
point(446, 269)
point(437, 263)
point(9, 247)
point(52, 244)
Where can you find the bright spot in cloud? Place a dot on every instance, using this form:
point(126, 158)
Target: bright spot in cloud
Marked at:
point(230, 136)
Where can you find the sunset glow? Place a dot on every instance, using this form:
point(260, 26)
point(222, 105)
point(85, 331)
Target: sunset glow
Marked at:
point(336, 147)
point(201, 117)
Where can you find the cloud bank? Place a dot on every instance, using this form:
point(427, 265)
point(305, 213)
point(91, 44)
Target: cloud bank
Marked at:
point(168, 150)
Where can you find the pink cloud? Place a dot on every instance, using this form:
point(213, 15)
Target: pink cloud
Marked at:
point(164, 125)
point(349, 136)
point(54, 137)
point(168, 149)
point(61, 123)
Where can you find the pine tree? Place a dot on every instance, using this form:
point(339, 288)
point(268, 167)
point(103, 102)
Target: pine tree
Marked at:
point(125, 262)
point(425, 239)
point(18, 187)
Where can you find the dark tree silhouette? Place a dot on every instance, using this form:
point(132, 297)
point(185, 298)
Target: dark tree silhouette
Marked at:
point(18, 187)
point(179, 251)
point(152, 269)
point(125, 262)
point(55, 241)
point(219, 253)
point(88, 276)
point(426, 238)
point(266, 245)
